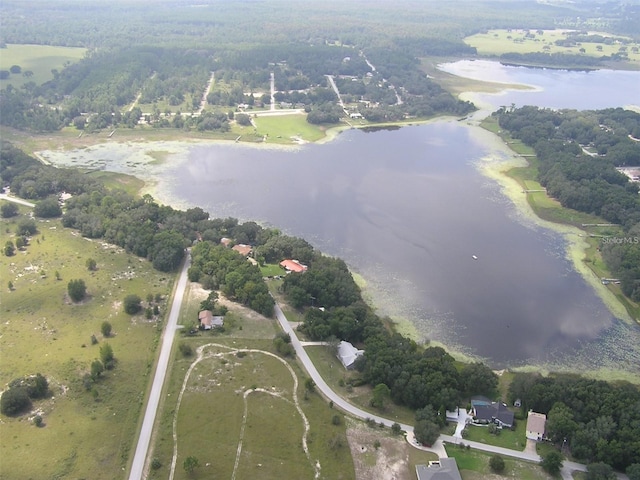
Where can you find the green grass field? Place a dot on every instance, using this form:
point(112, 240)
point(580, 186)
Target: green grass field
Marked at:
point(86, 434)
point(284, 128)
point(497, 42)
point(271, 270)
point(39, 59)
point(247, 400)
point(474, 465)
point(513, 439)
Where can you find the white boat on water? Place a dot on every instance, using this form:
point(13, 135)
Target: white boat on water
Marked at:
point(474, 257)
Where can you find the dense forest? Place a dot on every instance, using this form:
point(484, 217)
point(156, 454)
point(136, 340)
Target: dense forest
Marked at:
point(94, 93)
point(154, 63)
point(578, 153)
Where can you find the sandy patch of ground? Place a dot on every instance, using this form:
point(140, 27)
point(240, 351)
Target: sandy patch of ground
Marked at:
point(198, 293)
point(390, 461)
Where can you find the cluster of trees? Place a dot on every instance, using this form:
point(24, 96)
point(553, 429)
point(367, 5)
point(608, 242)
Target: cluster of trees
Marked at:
point(29, 179)
point(218, 267)
point(598, 421)
point(421, 96)
point(17, 397)
point(589, 182)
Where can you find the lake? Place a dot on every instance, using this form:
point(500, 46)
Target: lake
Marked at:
point(408, 209)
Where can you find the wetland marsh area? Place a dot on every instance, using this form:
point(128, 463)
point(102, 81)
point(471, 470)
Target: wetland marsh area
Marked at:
point(446, 243)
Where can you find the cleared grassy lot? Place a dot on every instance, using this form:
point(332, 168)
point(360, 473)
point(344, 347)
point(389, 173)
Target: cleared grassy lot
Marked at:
point(87, 433)
point(288, 128)
point(245, 412)
point(38, 59)
point(497, 42)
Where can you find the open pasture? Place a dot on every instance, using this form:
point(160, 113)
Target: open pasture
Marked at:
point(244, 412)
point(37, 59)
point(87, 433)
point(288, 129)
point(497, 42)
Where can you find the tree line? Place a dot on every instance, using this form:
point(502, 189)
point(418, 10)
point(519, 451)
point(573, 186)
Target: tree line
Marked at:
point(578, 153)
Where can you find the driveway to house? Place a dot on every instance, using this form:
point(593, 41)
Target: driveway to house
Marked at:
point(139, 459)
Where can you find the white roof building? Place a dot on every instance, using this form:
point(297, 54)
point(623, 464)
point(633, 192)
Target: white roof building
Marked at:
point(348, 354)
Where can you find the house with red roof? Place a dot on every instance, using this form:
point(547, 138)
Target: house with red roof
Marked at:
point(293, 266)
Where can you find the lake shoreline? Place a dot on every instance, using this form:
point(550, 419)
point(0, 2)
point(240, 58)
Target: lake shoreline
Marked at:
point(495, 166)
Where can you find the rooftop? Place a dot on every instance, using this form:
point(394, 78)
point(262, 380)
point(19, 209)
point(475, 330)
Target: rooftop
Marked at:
point(536, 422)
point(443, 469)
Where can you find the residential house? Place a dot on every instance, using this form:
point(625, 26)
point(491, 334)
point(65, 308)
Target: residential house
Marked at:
point(486, 411)
point(443, 469)
point(348, 354)
point(225, 241)
point(207, 320)
point(293, 266)
point(242, 249)
point(535, 425)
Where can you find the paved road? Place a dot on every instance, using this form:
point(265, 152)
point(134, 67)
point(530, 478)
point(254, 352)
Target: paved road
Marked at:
point(335, 89)
point(321, 384)
point(137, 467)
point(4, 196)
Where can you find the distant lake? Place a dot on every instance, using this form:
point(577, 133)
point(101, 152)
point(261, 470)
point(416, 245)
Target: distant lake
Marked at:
point(408, 209)
point(581, 90)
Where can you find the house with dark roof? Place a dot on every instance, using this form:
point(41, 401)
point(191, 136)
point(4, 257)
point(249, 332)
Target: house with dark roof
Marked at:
point(536, 423)
point(494, 412)
point(443, 469)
